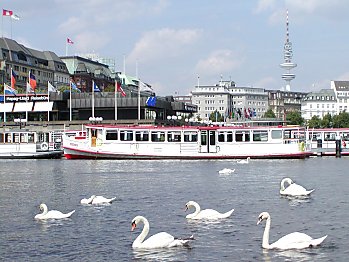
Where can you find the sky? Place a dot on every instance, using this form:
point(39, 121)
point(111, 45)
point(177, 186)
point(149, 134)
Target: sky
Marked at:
point(171, 44)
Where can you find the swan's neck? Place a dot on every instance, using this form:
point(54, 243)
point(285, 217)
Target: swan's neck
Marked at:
point(45, 210)
point(197, 210)
point(283, 185)
point(139, 240)
point(265, 243)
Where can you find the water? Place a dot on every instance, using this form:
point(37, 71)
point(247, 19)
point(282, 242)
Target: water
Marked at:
point(159, 190)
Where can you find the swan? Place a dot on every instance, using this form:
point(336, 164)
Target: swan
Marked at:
point(293, 189)
point(159, 240)
point(293, 240)
point(244, 161)
point(206, 213)
point(97, 200)
point(52, 214)
point(226, 171)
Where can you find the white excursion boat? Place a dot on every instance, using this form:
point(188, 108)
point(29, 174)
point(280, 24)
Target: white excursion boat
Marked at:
point(185, 142)
point(18, 144)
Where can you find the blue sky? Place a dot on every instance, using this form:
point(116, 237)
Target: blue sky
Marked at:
point(169, 43)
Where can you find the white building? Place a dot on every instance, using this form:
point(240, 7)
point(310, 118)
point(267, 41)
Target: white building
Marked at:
point(341, 90)
point(319, 104)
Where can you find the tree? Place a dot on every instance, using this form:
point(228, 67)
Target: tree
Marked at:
point(269, 114)
point(326, 121)
point(216, 117)
point(314, 122)
point(294, 118)
point(341, 120)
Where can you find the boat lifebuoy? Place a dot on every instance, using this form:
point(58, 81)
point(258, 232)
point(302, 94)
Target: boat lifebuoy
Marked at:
point(44, 146)
point(302, 146)
point(343, 143)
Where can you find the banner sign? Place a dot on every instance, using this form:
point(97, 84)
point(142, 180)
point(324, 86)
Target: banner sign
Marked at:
point(31, 98)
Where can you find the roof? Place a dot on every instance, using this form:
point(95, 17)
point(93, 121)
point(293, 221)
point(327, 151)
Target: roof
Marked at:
point(341, 85)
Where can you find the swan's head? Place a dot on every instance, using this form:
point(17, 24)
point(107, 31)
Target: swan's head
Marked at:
point(42, 207)
point(136, 220)
point(263, 216)
point(189, 204)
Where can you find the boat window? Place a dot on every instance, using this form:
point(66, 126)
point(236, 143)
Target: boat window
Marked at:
point(221, 137)
point(212, 138)
point(23, 138)
point(142, 136)
point(15, 137)
point(260, 136)
point(190, 136)
point(345, 136)
point(174, 136)
point(8, 138)
point(111, 135)
point(157, 136)
point(225, 136)
point(242, 136)
point(229, 136)
point(31, 137)
point(276, 134)
point(126, 135)
point(330, 136)
point(203, 138)
point(1, 138)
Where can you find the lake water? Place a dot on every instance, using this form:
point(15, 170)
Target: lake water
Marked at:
point(159, 190)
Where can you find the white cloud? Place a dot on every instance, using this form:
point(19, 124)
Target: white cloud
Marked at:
point(263, 5)
point(157, 45)
point(90, 41)
point(218, 62)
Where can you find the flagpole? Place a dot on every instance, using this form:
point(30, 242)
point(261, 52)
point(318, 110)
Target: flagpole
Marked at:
point(26, 98)
point(66, 47)
point(93, 98)
point(139, 100)
point(48, 101)
point(116, 101)
point(70, 109)
point(11, 26)
point(4, 104)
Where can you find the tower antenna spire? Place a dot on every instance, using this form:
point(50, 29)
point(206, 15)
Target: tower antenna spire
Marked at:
point(287, 65)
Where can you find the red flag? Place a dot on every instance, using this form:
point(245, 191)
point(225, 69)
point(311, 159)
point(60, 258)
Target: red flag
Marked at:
point(32, 81)
point(13, 78)
point(119, 88)
point(69, 41)
point(7, 12)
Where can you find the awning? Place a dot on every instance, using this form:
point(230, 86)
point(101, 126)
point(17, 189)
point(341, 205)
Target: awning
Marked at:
point(7, 107)
point(23, 107)
point(43, 106)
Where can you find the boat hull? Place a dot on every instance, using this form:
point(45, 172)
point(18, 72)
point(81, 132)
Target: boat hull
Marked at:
point(31, 155)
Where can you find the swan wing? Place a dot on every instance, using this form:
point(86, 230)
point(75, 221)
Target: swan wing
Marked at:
point(102, 200)
point(158, 240)
point(212, 214)
point(54, 214)
point(294, 240)
point(296, 190)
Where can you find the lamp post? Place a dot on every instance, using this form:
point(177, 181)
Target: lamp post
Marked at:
point(95, 120)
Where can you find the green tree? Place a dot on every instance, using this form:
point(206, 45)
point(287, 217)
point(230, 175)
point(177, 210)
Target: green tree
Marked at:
point(314, 122)
point(216, 117)
point(294, 118)
point(326, 121)
point(341, 120)
point(269, 114)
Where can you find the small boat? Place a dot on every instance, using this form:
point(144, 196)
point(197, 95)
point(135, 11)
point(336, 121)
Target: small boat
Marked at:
point(102, 141)
point(25, 144)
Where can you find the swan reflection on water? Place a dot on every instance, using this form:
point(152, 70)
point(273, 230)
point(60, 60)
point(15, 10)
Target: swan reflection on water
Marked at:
point(160, 254)
point(288, 255)
point(296, 201)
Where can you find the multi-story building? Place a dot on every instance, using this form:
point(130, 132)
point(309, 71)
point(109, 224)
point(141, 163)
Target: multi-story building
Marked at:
point(319, 104)
point(341, 90)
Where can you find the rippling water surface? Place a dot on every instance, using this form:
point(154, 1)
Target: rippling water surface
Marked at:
point(159, 190)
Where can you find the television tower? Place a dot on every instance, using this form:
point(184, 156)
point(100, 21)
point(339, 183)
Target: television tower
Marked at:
point(287, 64)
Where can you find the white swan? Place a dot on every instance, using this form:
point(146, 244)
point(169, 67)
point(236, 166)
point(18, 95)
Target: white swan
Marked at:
point(244, 161)
point(206, 213)
point(97, 200)
point(293, 240)
point(226, 171)
point(159, 240)
point(52, 214)
point(293, 189)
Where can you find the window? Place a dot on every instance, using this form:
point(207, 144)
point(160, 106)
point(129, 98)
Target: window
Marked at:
point(260, 136)
point(126, 135)
point(157, 136)
point(111, 135)
point(174, 136)
point(142, 136)
point(190, 136)
point(242, 136)
point(276, 134)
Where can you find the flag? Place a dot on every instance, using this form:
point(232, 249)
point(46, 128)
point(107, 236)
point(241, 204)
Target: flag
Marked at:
point(74, 87)
point(32, 80)
point(51, 88)
point(95, 87)
point(144, 87)
point(15, 17)
point(13, 78)
point(30, 88)
point(9, 90)
point(7, 12)
point(151, 101)
point(69, 41)
point(119, 88)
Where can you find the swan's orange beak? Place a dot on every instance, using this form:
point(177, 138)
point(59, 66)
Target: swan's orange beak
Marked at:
point(133, 226)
